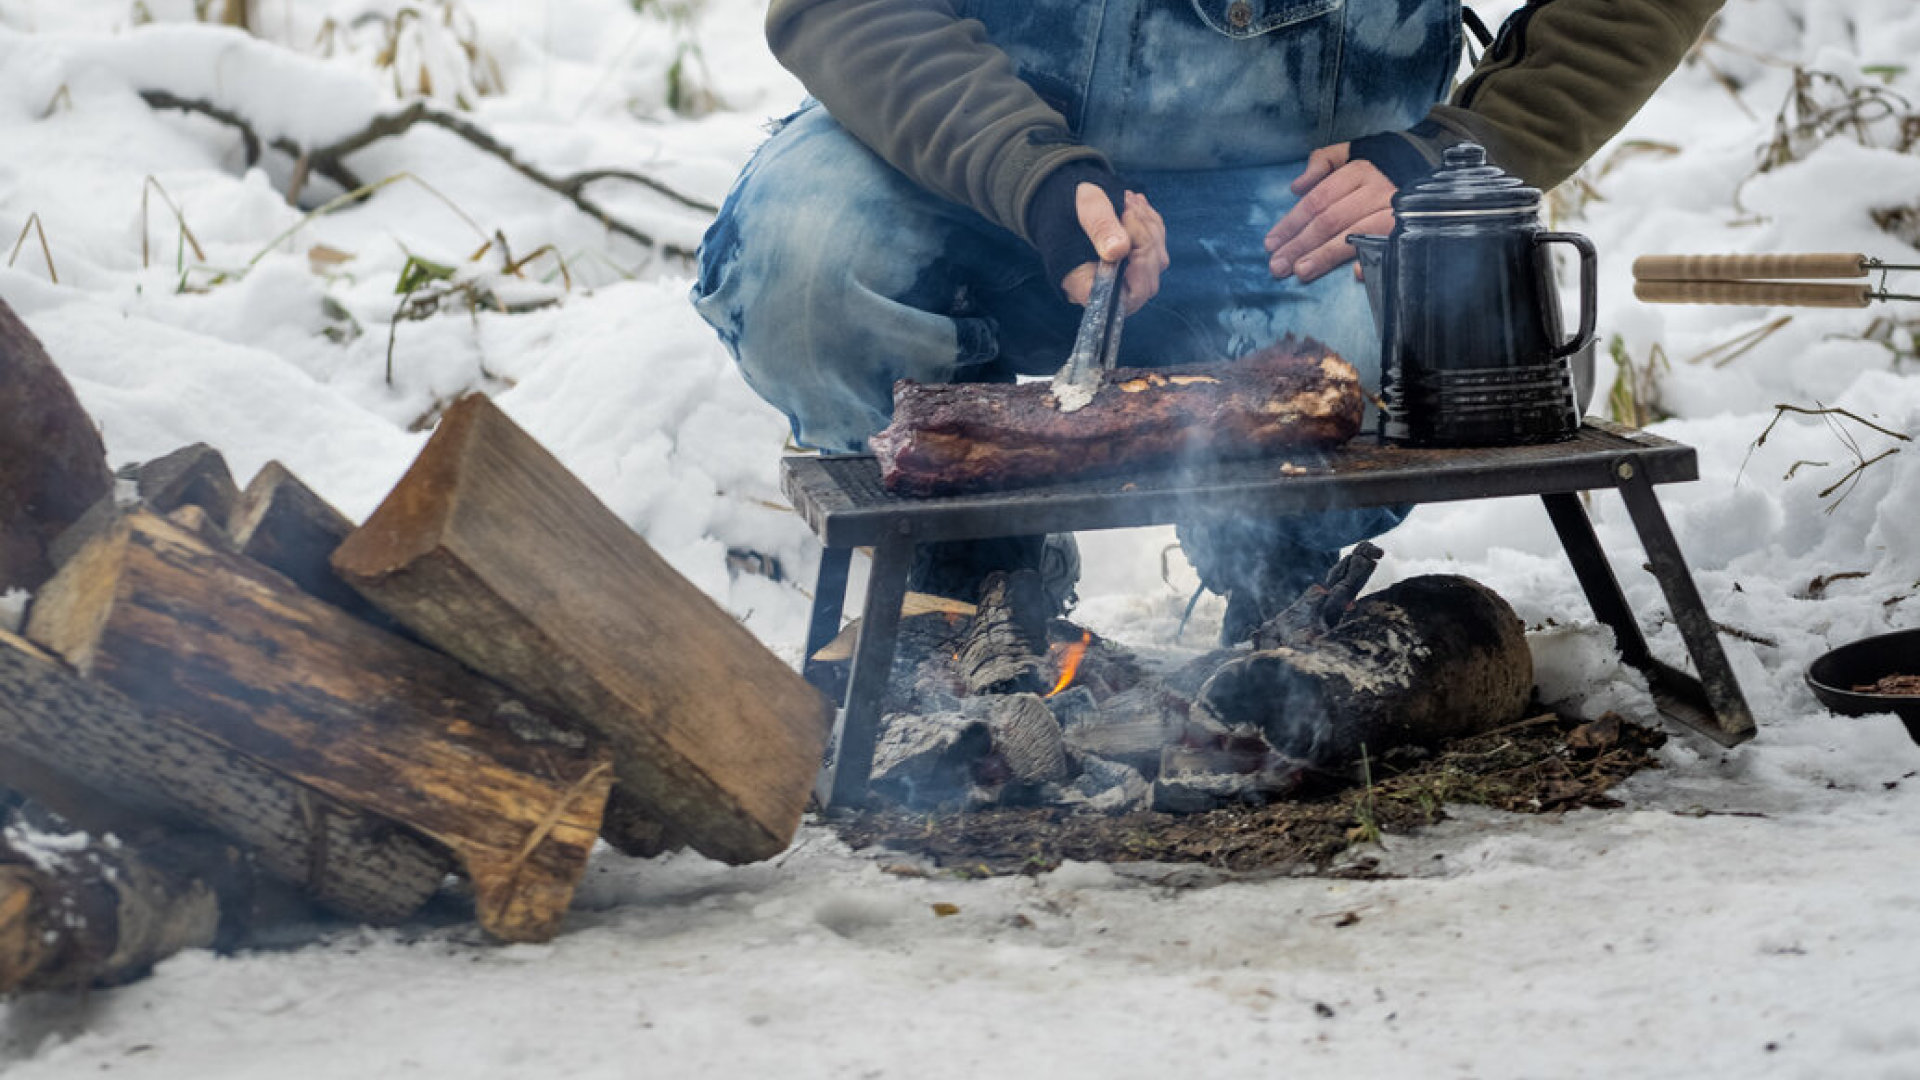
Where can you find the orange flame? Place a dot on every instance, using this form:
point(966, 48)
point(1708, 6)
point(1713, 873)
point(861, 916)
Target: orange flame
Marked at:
point(1070, 663)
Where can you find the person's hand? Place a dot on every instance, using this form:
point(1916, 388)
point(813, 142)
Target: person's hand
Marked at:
point(1338, 196)
point(1138, 235)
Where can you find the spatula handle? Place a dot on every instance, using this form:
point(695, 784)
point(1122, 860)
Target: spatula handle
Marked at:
point(1758, 293)
point(1749, 267)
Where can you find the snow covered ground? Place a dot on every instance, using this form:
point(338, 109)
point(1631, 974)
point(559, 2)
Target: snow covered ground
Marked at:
point(1751, 912)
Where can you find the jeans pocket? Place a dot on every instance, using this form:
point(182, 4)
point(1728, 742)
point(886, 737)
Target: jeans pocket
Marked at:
point(1252, 18)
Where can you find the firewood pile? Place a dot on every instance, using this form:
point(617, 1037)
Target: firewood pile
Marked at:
point(993, 707)
point(223, 695)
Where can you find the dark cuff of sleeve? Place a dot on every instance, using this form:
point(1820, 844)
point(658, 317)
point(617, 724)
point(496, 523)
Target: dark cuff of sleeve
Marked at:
point(1395, 154)
point(1053, 217)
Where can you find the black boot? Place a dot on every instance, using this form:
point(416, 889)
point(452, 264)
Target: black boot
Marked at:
point(1257, 573)
point(956, 568)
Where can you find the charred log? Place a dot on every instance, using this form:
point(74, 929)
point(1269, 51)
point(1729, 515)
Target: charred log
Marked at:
point(972, 436)
point(1428, 659)
point(999, 654)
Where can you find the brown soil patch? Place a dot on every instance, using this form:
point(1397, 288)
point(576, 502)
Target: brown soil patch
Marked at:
point(1541, 765)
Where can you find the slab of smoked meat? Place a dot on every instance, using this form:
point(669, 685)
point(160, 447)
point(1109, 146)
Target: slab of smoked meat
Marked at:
point(986, 436)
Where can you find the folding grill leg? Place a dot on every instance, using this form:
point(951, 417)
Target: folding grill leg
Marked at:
point(1720, 713)
point(829, 596)
point(1595, 574)
point(844, 780)
point(1726, 718)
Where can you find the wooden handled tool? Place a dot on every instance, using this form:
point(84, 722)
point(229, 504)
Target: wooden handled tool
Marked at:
point(1763, 280)
point(1760, 293)
point(1750, 267)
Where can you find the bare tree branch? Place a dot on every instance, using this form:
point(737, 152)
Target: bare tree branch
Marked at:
point(328, 161)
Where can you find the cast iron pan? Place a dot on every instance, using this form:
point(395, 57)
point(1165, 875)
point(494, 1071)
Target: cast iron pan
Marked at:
point(1834, 676)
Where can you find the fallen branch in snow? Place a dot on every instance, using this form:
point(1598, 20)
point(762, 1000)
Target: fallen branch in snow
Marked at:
point(329, 161)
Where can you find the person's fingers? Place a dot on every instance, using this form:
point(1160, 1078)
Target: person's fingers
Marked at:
point(1331, 223)
point(1364, 202)
point(1337, 251)
point(1149, 258)
point(1078, 284)
point(1319, 164)
point(1337, 186)
point(1102, 225)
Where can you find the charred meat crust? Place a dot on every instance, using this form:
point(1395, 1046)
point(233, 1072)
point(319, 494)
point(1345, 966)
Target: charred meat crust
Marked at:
point(961, 437)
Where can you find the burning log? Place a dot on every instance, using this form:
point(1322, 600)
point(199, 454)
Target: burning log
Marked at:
point(90, 754)
point(53, 466)
point(78, 911)
point(1431, 658)
point(998, 656)
point(973, 436)
point(202, 639)
point(1026, 740)
point(1196, 778)
point(492, 551)
point(1132, 727)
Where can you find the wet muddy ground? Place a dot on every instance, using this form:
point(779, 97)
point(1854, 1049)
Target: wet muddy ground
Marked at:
point(1544, 764)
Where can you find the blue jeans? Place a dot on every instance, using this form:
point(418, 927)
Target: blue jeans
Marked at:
point(829, 274)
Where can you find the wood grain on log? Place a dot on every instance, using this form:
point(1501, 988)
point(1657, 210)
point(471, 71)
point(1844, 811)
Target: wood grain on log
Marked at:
point(78, 746)
point(998, 655)
point(225, 647)
point(980, 436)
point(53, 465)
point(491, 550)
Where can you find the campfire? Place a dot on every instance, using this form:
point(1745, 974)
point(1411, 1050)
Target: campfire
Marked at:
point(1002, 706)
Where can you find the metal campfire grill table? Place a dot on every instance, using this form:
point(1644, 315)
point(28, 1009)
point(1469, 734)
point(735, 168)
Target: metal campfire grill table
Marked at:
point(842, 500)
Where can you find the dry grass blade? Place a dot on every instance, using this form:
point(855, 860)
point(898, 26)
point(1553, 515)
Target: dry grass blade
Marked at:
point(46, 251)
point(151, 186)
point(355, 196)
point(1832, 418)
point(1728, 351)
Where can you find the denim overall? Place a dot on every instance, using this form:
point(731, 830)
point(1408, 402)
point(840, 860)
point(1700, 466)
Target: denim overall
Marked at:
point(829, 274)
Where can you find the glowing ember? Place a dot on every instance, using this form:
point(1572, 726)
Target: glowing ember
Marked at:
point(1070, 662)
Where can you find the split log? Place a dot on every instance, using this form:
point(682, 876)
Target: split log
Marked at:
point(492, 551)
point(53, 465)
point(927, 760)
point(960, 437)
point(283, 524)
point(1193, 779)
point(227, 648)
point(194, 475)
point(1431, 658)
point(90, 754)
point(78, 911)
point(998, 654)
point(1026, 739)
point(1132, 727)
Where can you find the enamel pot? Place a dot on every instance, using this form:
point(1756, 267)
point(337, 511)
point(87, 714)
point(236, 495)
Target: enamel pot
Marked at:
point(1472, 347)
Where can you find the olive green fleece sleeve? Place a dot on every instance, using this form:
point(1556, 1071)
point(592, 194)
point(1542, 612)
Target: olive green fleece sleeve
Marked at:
point(931, 95)
point(1563, 77)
